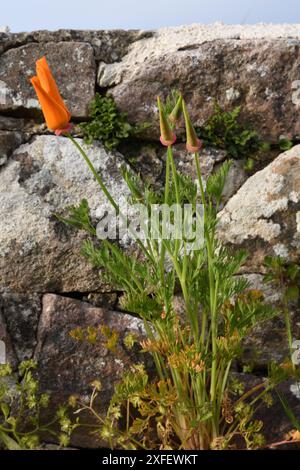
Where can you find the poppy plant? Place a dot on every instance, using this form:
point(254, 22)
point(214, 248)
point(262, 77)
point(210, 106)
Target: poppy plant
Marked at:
point(57, 115)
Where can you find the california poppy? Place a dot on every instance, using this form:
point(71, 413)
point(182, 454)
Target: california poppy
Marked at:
point(57, 115)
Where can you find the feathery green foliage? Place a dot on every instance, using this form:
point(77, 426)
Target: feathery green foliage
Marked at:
point(192, 403)
point(107, 124)
point(223, 130)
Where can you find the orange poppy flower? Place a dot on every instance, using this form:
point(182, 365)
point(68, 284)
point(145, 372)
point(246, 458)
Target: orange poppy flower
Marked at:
point(56, 114)
point(167, 136)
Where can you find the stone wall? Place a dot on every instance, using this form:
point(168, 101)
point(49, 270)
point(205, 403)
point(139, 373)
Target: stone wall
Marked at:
point(46, 287)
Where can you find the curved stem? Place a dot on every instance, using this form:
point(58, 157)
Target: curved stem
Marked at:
point(106, 191)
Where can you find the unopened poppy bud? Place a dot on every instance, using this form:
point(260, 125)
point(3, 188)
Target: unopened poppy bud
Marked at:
point(177, 110)
point(167, 136)
point(57, 115)
point(193, 144)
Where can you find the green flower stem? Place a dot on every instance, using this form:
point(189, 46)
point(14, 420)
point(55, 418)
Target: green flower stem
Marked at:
point(163, 246)
point(203, 200)
point(222, 383)
point(182, 273)
point(96, 175)
point(167, 185)
point(182, 277)
point(157, 359)
point(175, 181)
point(213, 288)
point(105, 190)
point(199, 176)
point(288, 328)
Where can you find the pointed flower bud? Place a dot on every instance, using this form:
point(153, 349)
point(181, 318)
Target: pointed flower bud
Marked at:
point(167, 136)
point(177, 110)
point(56, 113)
point(193, 144)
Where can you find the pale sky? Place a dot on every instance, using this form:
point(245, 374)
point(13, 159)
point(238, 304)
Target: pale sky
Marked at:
point(29, 15)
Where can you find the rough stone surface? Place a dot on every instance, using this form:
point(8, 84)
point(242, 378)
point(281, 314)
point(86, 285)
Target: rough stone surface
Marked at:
point(66, 366)
point(9, 141)
point(276, 423)
point(264, 215)
point(109, 45)
point(7, 353)
point(256, 67)
point(249, 68)
point(106, 300)
point(210, 161)
point(38, 253)
point(235, 178)
point(66, 60)
point(21, 313)
point(268, 341)
point(146, 159)
point(8, 123)
point(149, 160)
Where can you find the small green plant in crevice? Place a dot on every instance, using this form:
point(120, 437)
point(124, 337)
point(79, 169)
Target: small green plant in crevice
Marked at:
point(285, 144)
point(79, 217)
point(108, 124)
point(21, 407)
point(223, 130)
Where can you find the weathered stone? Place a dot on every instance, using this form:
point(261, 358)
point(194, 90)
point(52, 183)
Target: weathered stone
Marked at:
point(67, 60)
point(109, 45)
point(26, 128)
point(149, 160)
point(67, 366)
point(145, 159)
point(254, 70)
point(272, 294)
point(9, 141)
point(19, 131)
point(264, 215)
point(276, 423)
point(268, 341)
point(106, 300)
point(21, 313)
point(38, 253)
point(8, 123)
point(252, 66)
point(235, 178)
point(209, 159)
